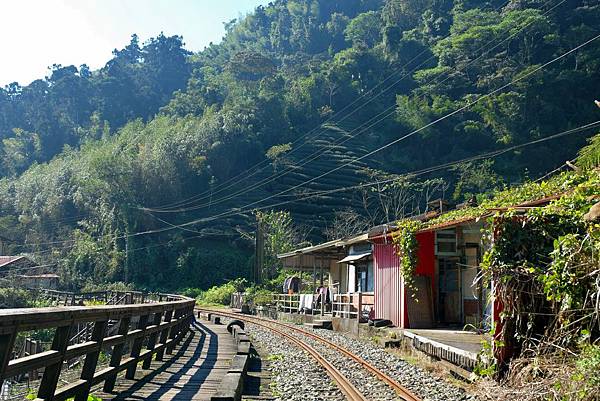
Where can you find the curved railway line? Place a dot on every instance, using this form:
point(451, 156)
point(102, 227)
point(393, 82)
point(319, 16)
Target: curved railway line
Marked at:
point(347, 388)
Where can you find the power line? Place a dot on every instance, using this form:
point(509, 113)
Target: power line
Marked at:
point(428, 170)
point(249, 207)
point(210, 192)
point(376, 119)
point(468, 105)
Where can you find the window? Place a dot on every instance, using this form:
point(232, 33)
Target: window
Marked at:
point(445, 242)
point(360, 248)
point(364, 279)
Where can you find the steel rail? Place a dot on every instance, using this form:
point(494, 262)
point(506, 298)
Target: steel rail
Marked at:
point(345, 386)
point(402, 391)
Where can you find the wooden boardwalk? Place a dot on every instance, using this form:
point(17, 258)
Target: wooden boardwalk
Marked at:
point(192, 372)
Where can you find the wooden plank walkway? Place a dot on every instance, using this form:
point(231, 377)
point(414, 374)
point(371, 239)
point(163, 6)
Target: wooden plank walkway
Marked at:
point(192, 372)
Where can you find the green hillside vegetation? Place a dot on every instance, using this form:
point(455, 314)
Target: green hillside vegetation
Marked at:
point(84, 152)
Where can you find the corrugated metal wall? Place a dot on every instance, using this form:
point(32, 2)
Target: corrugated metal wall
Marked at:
point(388, 284)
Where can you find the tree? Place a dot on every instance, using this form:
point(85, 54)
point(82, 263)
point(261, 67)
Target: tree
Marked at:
point(365, 29)
point(281, 236)
point(20, 151)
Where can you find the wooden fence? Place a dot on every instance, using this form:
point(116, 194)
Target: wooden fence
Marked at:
point(67, 298)
point(348, 306)
point(353, 305)
point(158, 325)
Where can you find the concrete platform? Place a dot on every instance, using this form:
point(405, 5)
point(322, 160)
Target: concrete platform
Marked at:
point(460, 348)
point(463, 340)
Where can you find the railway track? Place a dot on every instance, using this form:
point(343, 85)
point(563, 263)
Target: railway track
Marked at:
point(347, 388)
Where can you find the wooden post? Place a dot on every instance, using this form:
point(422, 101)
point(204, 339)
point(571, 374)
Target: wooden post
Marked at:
point(52, 372)
point(115, 360)
point(259, 251)
point(136, 347)
point(359, 306)
point(152, 340)
point(91, 360)
point(164, 334)
point(7, 342)
point(322, 295)
point(314, 280)
point(175, 331)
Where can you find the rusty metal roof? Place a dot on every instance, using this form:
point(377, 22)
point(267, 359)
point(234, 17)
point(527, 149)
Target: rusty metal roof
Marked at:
point(6, 260)
point(468, 219)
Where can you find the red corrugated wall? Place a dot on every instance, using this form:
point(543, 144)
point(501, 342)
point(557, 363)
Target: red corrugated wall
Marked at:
point(389, 291)
point(388, 283)
point(426, 263)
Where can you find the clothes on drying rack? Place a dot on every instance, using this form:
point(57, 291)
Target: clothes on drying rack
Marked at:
point(291, 285)
point(286, 285)
point(323, 294)
point(306, 302)
point(295, 284)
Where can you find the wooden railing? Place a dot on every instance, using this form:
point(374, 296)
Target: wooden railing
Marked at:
point(158, 325)
point(67, 298)
point(288, 303)
point(353, 305)
point(349, 306)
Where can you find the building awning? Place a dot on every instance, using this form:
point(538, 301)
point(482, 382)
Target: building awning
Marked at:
point(355, 257)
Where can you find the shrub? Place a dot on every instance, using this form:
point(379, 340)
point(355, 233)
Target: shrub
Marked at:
point(15, 298)
point(191, 292)
point(221, 295)
point(258, 296)
point(587, 368)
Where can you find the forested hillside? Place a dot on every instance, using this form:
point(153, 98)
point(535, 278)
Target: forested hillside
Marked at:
point(73, 105)
point(149, 170)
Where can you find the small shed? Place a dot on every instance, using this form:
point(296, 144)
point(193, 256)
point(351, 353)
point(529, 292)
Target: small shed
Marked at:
point(444, 295)
point(20, 270)
point(342, 264)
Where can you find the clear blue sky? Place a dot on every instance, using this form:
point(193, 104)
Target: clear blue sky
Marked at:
point(39, 33)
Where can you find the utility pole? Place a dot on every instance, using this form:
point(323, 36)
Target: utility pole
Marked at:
point(259, 255)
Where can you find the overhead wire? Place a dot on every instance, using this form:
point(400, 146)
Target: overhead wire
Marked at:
point(210, 192)
point(249, 207)
point(428, 170)
point(371, 123)
point(448, 115)
point(555, 170)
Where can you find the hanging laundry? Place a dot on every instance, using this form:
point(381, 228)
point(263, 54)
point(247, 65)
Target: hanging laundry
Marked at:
point(294, 284)
point(286, 285)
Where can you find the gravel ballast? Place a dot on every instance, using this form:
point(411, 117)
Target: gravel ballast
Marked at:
point(417, 380)
point(296, 376)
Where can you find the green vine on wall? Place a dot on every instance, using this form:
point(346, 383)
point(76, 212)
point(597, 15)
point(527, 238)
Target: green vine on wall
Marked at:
point(405, 239)
point(545, 266)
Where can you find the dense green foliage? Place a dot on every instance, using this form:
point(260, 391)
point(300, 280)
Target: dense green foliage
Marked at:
point(14, 298)
point(221, 295)
point(75, 105)
point(405, 239)
point(18, 298)
point(551, 254)
point(84, 150)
